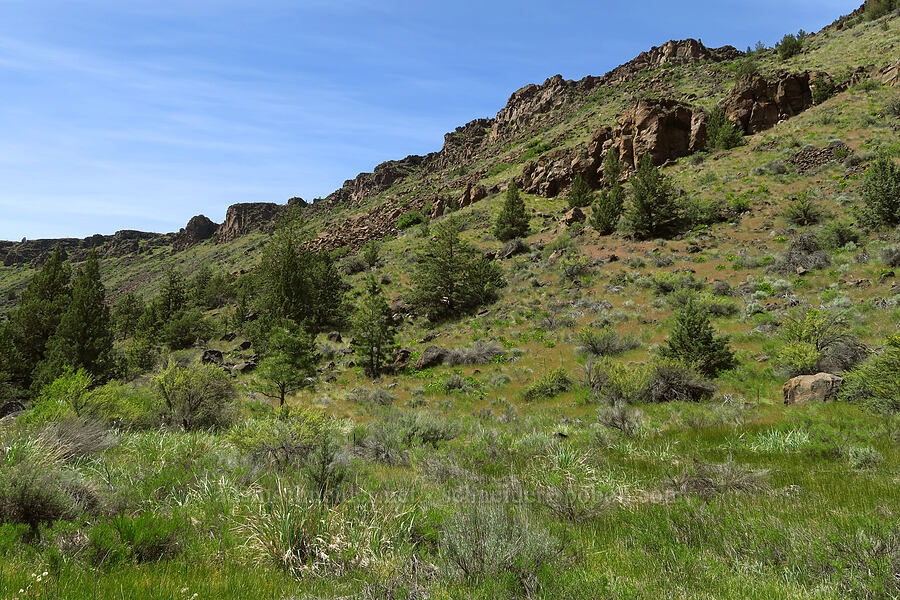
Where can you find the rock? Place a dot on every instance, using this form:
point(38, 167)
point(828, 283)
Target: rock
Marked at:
point(401, 358)
point(335, 336)
point(432, 357)
point(246, 217)
point(211, 356)
point(198, 229)
point(574, 215)
point(811, 388)
point(472, 195)
point(244, 367)
point(756, 103)
point(10, 408)
point(890, 75)
point(245, 345)
point(665, 129)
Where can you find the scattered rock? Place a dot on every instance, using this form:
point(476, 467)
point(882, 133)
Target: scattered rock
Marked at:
point(811, 388)
point(335, 336)
point(213, 357)
point(574, 215)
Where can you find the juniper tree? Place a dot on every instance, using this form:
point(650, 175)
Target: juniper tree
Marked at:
point(512, 222)
point(374, 332)
point(580, 194)
point(694, 342)
point(654, 210)
point(289, 362)
point(609, 205)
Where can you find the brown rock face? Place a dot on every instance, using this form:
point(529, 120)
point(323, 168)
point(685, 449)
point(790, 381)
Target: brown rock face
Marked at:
point(679, 52)
point(811, 388)
point(529, 103)
point(574, 215)
point(661, 128)
point(198, 229)
point(757, 103)
point(241, 219)
point(890, 75)
point(548, 175)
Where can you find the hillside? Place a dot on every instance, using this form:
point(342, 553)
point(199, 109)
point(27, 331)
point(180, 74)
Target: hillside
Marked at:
point(547, 440)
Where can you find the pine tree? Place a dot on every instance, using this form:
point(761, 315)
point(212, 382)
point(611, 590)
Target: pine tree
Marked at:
point(580, 194)
point(374, 331)
point(609, 206)
point(512, 222)
point(84, 338)
point(693, 341)
point(35, 319)
point(290, 360)
point(722, 133)
point(451, 276)
point(173, 298)
point(654, 209)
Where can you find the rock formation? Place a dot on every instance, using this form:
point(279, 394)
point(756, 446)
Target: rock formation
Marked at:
point(811, 388)
point(757, 103)
point(241, 219)
point(198, 229)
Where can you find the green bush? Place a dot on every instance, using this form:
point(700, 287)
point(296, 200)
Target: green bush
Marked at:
point(552, 384)
point(790, 45)
point(146, 537)
point(580, 194)
point(837, 234)
point(822, 89)
point(693, 341)
point(654, 210)
point(881, 194)
point(875, 9)
point(185, 328)
point(722, 133)
point(875, 383)
point(605, 342)
point(802, 211)
point(662, 380)
point(513, 221)
point(426, 428)
point(197, 396)
point(410, 218)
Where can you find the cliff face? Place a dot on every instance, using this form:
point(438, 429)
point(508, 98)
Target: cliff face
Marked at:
point(246, 217)
point(121, 243)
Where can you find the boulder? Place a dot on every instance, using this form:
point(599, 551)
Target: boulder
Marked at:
point(246, 217)
point(10, 408)
point(574, 215)
point(198, 229)
point(335, 336)
point(811, 388)
point(432, 357)
point(213, 357)
point(512, 248)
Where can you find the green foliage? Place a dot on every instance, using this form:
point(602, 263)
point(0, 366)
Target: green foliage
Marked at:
point(722, 133)
point(605, 342)
point(875, 384)
point(426, 428)
point(185, 328)
point(513, 221)
point(693, 341)
point(837, 234)
point(654, 209)
point(173, 297)
point(370, 253)
point(798, 358)
point(297, 283)
point(550, 385)
point(881, 194)
point(747, 68)
point(410, 218)
point(324, 471)
point(875, 9)
point(610, 204)
point(83, 339)
point(662, 380)
point(126, 314)
point(803, 210)
point(452, 277)
point(196, 396)
point(290, 360)
point(208, 289)
point(817, 340)
point(789, 46)
point(34, 320)
point(143, 538)
point(580, 194)
point(822, 89)
point(69, 394)
point(374, 331)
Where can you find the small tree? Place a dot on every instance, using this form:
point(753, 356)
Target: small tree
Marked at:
point(722, 133)
point(580, 194)
point(126, 314)
point(881, 194)
point(451, 276)
point(172, 298)
point(197, 396)
point(512, 222)
point(609, 206)
point(654, 209)
point(693, 342)
point(789, 45)
point(373, 330)
point(289, 362)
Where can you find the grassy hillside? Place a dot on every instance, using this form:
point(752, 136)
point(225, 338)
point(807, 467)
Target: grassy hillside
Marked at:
point(512, 472)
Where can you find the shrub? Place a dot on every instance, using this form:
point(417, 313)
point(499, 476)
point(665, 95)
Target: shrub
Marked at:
point(370, 253)
point(804, 254)
point(575, 266)
point(480, 353)
point(353, 265)
point(375, 396)
point(513, 221)
point(673, 381)
point(410, 218)
point(280, 442)
point(875, 383)
point(837, 234)
point(816, 341)
point(605, 342)
point(185, 328)
point(789, 46)
point(881, 194)
point(198, 396)
point(722, 133)
point(654, 208)
point(622, 418)
point(710, 480)
point(798, 358)
point(426, 428)
point(746, 68)
point(326, 474)
point(694, 342)
point(568, 485)
point(580, 194)
point(891, 256)
point(666, 283)
point(486, 540)
point(552, 384)
point(823, 88)
point(374, 330)
point(875, 9)
point(802, 211)
point(146, 537)
point(864, 457)
point(608, 208)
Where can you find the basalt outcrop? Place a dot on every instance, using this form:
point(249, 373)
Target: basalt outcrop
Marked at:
point(121, 243)
point(757, 103)
point(198, 229)
point(244, 218)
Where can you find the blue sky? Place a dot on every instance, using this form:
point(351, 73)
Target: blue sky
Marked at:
point(138, 115)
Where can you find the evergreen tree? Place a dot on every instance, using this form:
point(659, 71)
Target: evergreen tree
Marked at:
point(722, 133)
point(84, 338)
point(580, 194)
point(173, 298)
point(290, 359)
point(693, 341)
point(881, 194)
point(451, 276)
point(609, 206)
point(513, 221)
point(35, 319)
point(127, 313)
point(297, 283)
point(373, 330)
point(654, 209)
